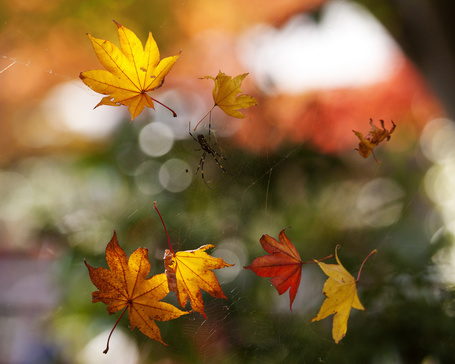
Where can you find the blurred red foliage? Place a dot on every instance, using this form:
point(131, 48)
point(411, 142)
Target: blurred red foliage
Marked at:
point(325, 118)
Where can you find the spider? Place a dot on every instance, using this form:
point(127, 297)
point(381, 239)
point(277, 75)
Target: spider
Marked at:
point(207, 149)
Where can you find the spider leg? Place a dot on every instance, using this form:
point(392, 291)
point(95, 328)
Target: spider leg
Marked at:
point(212, 150)
point(201, 164)
point(218, 162)
point(210, 123)
point(189, 132)
point(216, 154)
point(192, 136)
point(211, 131)
point(207, 149)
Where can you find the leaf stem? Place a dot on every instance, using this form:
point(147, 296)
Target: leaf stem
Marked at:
point(372, 152)
point(174, 114)
point(168, 240)
point(361, 267)
point(116, 323)
point(208, 112)
point(319, 260)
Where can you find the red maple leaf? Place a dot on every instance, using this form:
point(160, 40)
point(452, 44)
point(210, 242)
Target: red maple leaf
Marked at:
point(283, 265)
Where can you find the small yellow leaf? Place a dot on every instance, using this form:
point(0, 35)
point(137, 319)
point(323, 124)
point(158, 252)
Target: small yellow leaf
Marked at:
point(225, 94)
point(341, 292)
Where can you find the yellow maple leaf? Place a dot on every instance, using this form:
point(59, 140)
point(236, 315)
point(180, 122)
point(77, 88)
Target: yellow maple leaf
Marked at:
point(130, 71)
point(340, 290)
point(190, 271)
point(124, 286)
point(225, 94)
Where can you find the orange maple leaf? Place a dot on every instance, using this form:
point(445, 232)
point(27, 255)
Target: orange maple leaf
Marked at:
point(283, 265)
point(225, 95)
point(190, 271)
point(130, 72)
point(340, 290)
point(373, 138)
point(125, 285)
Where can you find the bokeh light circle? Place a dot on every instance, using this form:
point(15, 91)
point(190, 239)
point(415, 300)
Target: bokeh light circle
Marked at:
point(437, 139)
point(156, 139)
point(70, 106)
point(380, 202)
point(175, 175)
point(146, 178)
point(232, 251)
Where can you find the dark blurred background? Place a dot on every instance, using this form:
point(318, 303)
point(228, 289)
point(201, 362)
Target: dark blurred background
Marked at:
point(70, 175)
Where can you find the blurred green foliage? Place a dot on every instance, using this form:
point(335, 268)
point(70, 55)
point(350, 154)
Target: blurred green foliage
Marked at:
point(408, 310)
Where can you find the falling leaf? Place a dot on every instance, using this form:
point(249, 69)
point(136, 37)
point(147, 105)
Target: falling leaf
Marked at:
point(227, 98)
point(283, 264)
point(190, 271)
point(225, 94)
point(340, 290)
point(124, 286)
point(130, 71)
point(373, 138)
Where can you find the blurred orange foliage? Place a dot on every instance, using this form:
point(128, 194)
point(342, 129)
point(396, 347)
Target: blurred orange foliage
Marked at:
point(232, 16)
point(49, 52)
